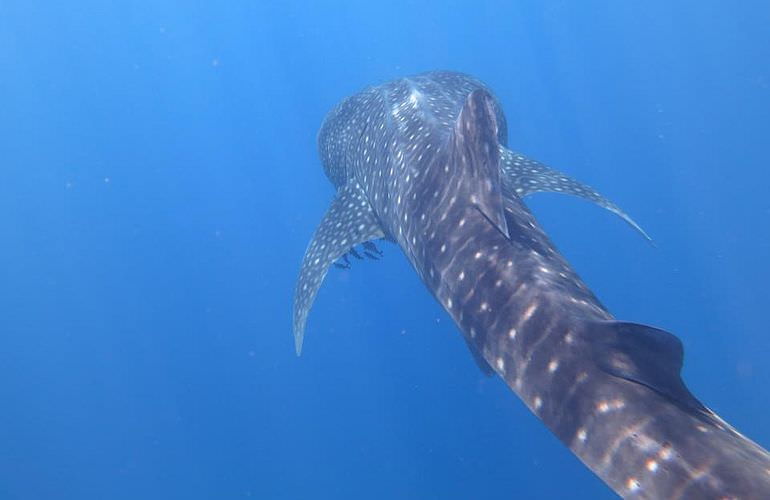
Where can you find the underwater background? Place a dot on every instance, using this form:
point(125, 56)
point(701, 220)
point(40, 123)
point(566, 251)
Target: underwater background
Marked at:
point(159, 182)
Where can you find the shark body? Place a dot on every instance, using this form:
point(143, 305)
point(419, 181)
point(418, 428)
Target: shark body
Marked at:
point(423, 162)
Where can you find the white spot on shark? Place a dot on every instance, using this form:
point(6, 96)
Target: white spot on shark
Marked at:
point(528, 312)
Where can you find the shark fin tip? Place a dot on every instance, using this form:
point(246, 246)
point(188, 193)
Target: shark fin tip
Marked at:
point(641, 231)
point(298, 343)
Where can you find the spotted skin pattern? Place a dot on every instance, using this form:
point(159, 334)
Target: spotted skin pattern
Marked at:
point(423, 162)
point(349, 222)
point(523, 176)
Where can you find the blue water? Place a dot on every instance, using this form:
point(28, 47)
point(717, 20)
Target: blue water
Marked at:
point(159, 183)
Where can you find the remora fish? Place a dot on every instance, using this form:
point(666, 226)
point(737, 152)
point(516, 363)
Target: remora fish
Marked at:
point(422, 162)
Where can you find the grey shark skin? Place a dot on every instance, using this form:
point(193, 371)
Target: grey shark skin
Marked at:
point(423, 162)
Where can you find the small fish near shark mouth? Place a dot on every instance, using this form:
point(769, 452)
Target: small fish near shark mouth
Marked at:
point(423, 162)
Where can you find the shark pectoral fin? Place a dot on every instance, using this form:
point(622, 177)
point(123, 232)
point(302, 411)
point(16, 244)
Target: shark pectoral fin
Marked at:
point(349, 221)
point(522, 176)
point(644, 355)
point(475, 154)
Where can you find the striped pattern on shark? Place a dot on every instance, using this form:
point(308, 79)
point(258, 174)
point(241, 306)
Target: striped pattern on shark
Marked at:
point(423, 162)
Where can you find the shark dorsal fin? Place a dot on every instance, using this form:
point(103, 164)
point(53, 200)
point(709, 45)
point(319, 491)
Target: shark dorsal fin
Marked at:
point(475, 155)
point(643, 355)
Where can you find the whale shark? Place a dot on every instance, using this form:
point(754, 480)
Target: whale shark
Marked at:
point(423, 162)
